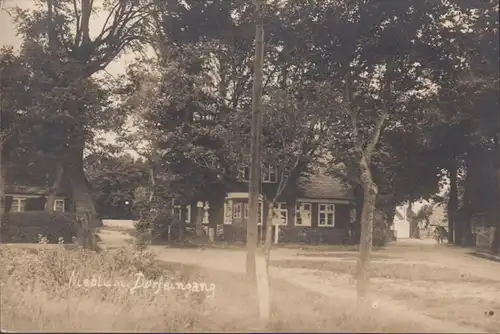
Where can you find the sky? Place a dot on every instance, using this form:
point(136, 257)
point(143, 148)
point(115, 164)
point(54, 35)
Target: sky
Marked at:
point(8, 31)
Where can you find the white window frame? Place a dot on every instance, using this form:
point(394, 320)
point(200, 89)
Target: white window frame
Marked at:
point(260, 220)
point(18, 200)
point(298, 208)
point(244, 173)
point(63, 205)
point(228, 212)
point(238, 210)
point(268, 172)
point(281, 209)
point(329, 211)
point(178, 213)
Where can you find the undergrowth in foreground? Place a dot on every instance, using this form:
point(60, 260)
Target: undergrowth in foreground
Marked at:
point(36, 295)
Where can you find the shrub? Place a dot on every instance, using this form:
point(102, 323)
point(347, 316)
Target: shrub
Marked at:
point(37, 294)
point(24, 227)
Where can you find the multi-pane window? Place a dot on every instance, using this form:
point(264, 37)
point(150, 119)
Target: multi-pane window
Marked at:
point(178, 210)
point(228, 209)
point(260, 214)
point(18, 204)
point(326, 215)
point(59, 205)
point(303, 214)
point(244, 173)
point(237, 210)
point(281, 213)
point(269, 174)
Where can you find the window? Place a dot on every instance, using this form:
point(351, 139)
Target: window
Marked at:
point(281, 214)
point(260, 214)
point(59, 205)
point(18, 204)
point(303, 214)
point(237, 208)
point(177, 211)
point(246, 214)
point(269, 174)
point(228, 209)
point(326, 215)
point(244, 173)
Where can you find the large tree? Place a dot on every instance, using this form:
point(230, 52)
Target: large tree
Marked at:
point(60, 49)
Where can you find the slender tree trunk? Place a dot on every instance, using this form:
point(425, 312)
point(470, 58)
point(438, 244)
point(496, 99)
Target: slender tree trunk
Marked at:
point(2, 192)
point(370, 191)
point(452, 202)
point(199, 220)
point(51, 196)
point(182, 228)
point(3, 172)
point(269, 231)
point(495, 245)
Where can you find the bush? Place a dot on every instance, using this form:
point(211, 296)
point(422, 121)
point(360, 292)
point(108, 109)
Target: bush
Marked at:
point(24, 227)
point(37, 294)
point(314, 236)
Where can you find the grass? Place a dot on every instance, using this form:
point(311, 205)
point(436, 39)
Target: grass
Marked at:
point(438, 292)
point(36, 296)
point(400, 271)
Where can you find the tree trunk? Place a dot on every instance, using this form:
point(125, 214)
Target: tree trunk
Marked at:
point(495, 245)
point(199, 220)
point(3, 172)
point(269, 232)
point(182, 228)
point(370, 191)
point(51, 196)
point(85, 211)
point(452, 202)
point(410, 215)
point(2, 192)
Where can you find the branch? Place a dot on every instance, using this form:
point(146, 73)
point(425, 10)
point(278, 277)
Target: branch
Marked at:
point(368, 152)
point(354, 119)
point(386, 96)
point(78, 35)
point(284, 182)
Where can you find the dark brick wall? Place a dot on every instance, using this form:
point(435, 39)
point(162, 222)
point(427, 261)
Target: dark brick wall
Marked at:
point(24, 227)
point(314, 235)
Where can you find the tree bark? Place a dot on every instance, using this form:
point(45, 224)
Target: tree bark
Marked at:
point(199, 221)
point(269, 231)
point(85, 211)
point(3, 172)
point(51, 196)
point(495, 245)
point(452, 201)
point(370, 191)
point(2, 192)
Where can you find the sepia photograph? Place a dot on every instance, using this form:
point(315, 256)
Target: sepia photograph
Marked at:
point(249, 166)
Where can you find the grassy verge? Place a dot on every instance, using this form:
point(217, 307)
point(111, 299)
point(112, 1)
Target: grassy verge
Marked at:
point(37, 296)
point(441, 293)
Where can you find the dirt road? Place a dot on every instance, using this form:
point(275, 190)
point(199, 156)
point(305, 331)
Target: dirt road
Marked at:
point(443, 286)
